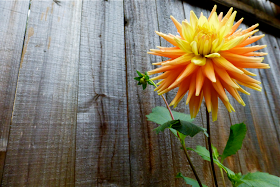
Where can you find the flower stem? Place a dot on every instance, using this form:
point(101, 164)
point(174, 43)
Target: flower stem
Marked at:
point(193, 169)
point(184, 146)
point(210, 148)
point(222, 173)
point(182, 142)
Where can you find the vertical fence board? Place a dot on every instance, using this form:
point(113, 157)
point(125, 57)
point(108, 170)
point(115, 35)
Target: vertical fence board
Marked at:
point(13, 15)
point(102, 150)
point(151, 156)
point(41, 148)
point(181, 11)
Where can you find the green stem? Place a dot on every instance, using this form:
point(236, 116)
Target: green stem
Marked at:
point(210, 148)
point(222, 173)
point(190, 162)
point(182, 142)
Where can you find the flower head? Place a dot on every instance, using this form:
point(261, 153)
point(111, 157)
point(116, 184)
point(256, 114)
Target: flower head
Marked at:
point(208, 58)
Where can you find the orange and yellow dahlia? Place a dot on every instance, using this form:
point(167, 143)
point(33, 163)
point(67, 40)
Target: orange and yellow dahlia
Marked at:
point(208, 57)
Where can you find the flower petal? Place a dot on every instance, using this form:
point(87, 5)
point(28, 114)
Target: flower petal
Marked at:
point(199, 60)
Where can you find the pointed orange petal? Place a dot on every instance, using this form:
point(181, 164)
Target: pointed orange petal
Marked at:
point(253, 65)
point(220, 89)
point(233, 92)
point(240, 58)
point(251, 85)
point(191, 89)
point(162, 69)
point(177, 25)
point(212, 12)
point(169, 80)
point(250, 40)
point(197, 103)
point(255, 54)
point(243, 50)
point(250, 29)
point(208, 70)
point(222, 62)
point(235, 26)
point(224, 75)
point(199, 81)
point(227, 105)
point(207, 94)
point(162, 76)
point(220, 16)
point(167, 38)
point(188, 71)
point(246, 72)
point(183, 89)
point(243, 78)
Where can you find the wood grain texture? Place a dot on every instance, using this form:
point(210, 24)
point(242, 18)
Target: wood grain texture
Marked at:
point(251, 11)
point(79, 117)
point(151, 156)
point(13, 17)
point(41, 147)
point(102, 149)
point(181, 10)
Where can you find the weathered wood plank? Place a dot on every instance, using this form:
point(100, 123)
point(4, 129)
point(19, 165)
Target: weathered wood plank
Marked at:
point(181, 11)
point(261, 145)
point(13, 17)
point(102, 148)
point(41, 148)
point(151, 159)
point(250, 10)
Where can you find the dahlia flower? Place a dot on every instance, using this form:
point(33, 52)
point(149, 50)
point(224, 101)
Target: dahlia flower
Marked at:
point(208, 58)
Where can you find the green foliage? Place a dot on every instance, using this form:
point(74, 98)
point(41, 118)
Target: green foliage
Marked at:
point(258, 179)
point(184, 127)
point(204, 153)
point(143, 80)
point(235, 140)
point(189, 181)
point(215, 152)
point(161, 115)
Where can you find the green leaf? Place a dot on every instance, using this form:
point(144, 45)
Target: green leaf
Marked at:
point(166, 125)
point(235, 140)
point(137, 78)
point(184, 127)
point(259, 179)
point(189, 181)
point(161, 115)
point(187, 128)
point(144, 86)
point(140, 74)
point(215, 152)
point(204, 153)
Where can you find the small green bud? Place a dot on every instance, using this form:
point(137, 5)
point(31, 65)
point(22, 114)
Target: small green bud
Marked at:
point(142, 80)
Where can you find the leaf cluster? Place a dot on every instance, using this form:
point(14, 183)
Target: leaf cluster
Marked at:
point(182, 126)
point(143, 79)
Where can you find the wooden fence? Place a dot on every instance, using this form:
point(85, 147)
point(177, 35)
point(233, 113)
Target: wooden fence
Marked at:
point(71, 113)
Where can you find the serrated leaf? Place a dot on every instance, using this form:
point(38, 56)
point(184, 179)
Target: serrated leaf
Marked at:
point(184, 127)
point(204, 153)
point(187, 128)
point(166, 125)
point(161, 115)
point(258, 179)
point(189, 181)
point(235, 140)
